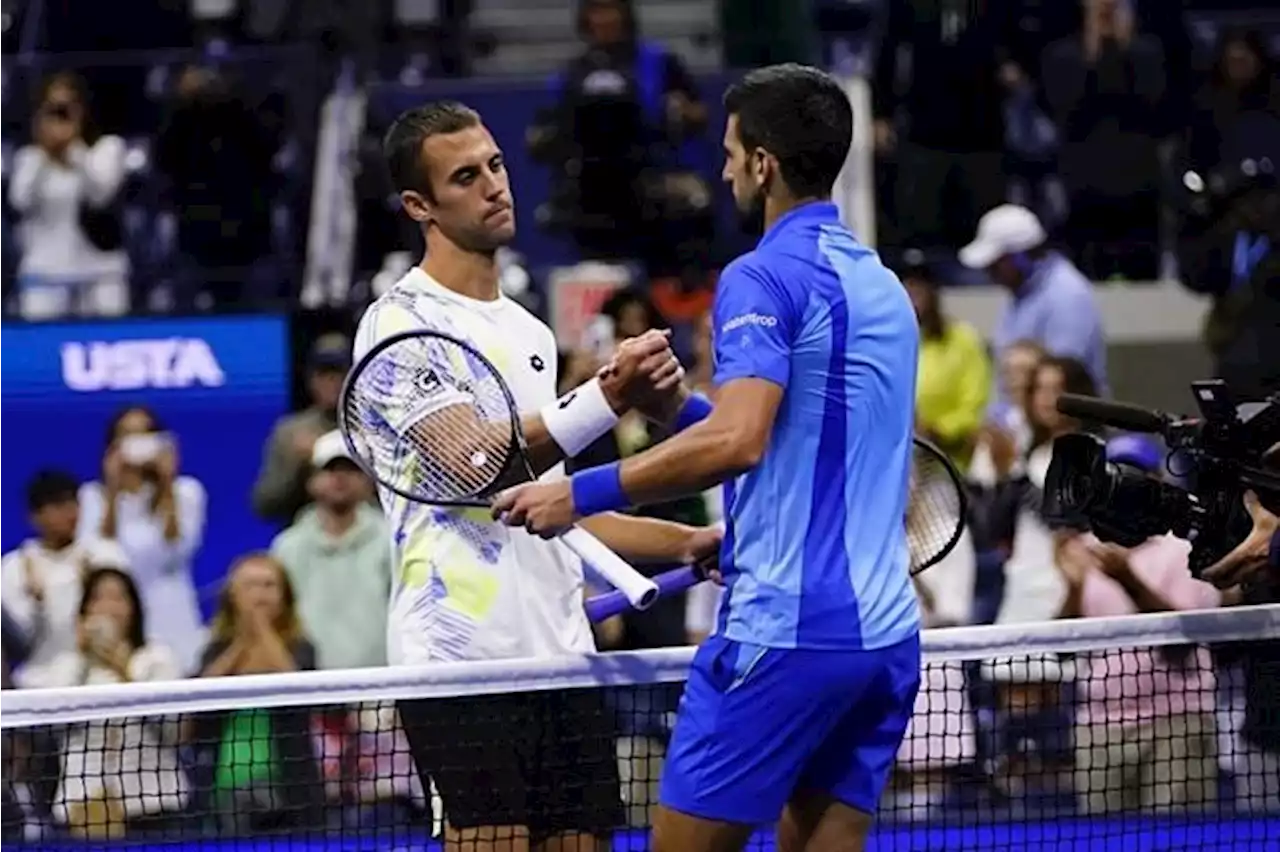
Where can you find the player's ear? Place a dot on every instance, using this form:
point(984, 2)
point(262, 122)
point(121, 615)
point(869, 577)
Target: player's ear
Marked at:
point(416, 205)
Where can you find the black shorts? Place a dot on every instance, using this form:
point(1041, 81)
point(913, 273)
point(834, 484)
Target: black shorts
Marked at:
point(543, 760)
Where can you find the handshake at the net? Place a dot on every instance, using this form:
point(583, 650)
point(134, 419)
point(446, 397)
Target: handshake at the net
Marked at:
point(644, 374)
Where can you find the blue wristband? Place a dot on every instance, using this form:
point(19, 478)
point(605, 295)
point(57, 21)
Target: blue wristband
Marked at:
point(695, 408)
point(598, 489)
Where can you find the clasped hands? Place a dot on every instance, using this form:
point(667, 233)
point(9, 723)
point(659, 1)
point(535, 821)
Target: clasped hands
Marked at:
point(644, 375)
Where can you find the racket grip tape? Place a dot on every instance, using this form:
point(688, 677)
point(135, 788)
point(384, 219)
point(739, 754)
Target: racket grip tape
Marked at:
point(640, 592)
point(671, 582)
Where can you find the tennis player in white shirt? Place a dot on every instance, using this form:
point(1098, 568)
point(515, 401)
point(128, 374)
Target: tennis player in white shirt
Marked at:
point(537, 769)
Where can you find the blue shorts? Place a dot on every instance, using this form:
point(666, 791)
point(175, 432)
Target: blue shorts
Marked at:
point(756, 724)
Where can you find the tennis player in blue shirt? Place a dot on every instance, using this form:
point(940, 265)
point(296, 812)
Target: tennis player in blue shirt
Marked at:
point(795, 708)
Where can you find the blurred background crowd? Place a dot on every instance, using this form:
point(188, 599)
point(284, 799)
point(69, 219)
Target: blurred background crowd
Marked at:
point(1079, 197)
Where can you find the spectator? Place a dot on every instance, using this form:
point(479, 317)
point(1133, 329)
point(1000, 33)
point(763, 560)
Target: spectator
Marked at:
point(43, 579)
point(621, 139)
point(963, 63)
point(1238, 111)
point(1145, 730)
point(64, 186)
point(1005, 438)
point(158, 517)
point(1106, 90)
point(632, 313)
point(1034, 590)
point(281, 489)
point(217, 152)
point(338, 562)
point(264, 771)
point(955, 375)
point(1051, 302)
point(122, 775)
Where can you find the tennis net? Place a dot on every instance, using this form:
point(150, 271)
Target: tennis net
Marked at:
point(1143, 732)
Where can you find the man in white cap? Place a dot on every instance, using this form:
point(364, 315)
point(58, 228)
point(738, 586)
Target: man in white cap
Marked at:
point(338, 562)
point(1053, 303)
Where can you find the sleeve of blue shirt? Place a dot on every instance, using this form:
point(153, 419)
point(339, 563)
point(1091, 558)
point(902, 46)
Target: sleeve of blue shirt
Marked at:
point(756, 321)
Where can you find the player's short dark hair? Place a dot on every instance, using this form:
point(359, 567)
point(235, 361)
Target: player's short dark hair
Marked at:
point(801, 116)
point(402, 146)
point(48, 487)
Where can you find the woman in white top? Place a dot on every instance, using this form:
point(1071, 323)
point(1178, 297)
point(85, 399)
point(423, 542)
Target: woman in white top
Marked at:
point(68, 170)
point(118, 772)
point(158, 518)
point(1034, 589)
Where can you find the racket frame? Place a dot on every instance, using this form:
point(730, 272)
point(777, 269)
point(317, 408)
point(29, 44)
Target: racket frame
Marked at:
point(962, 514)
point(517, 449)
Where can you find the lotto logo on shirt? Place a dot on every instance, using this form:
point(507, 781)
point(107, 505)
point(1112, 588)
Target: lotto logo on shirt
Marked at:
point(762, 320)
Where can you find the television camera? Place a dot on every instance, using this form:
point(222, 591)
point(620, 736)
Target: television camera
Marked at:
point(1224, 451)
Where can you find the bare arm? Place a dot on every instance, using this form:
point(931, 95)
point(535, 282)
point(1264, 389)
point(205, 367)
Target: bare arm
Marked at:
point(731, 440)
point(642, 539)
point(227, 663)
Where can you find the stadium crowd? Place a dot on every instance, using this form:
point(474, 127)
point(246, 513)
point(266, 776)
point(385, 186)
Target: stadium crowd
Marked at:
point(1019, 145)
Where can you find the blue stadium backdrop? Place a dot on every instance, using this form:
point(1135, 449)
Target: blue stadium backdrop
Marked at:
point(218, 385)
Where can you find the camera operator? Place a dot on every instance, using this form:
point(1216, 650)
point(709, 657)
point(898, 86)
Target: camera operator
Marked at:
point(622, 141)
point(1230, 250)
point(1258, 554)
point(1250, 574)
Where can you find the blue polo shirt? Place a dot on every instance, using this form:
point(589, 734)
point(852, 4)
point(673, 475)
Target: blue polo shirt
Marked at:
point(815, 552)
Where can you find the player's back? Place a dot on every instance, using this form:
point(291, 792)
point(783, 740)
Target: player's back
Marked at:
point(816, 550)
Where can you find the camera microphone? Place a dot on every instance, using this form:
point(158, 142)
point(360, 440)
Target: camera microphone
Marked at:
point(1118, 415)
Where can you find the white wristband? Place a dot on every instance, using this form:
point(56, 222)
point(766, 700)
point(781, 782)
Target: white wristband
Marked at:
point(579, 417)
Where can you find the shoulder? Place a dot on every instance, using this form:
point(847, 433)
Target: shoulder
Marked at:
point(28, 154)
point(964, 335)
point(524, 321)
point(405, 307)
point(755, 290)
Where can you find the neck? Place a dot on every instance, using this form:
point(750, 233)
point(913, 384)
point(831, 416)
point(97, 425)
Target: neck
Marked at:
point(775, 207)
point(336, 521)
point(467, 273)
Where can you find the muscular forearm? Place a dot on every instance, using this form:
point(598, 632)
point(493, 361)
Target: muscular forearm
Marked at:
point(544, 452)
point(641, 539)
point(701, 456)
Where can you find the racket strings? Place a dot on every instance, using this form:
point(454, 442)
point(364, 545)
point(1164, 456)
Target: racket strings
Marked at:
point(935, 508)
point(429, 419)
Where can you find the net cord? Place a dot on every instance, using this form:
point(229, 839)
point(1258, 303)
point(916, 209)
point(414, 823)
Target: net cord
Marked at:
point(23, 708)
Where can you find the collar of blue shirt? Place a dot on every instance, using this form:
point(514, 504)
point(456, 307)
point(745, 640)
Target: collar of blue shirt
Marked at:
point(810, 211)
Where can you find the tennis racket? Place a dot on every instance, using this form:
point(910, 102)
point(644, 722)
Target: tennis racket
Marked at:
point(430, 418)
point(936, 512)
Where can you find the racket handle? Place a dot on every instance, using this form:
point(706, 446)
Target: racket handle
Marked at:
point(672, 582)
point(638, 589)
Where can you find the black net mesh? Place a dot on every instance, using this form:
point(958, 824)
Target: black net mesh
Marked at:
point(1164, 747)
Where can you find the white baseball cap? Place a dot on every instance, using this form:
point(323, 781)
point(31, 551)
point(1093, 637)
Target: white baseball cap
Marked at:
point(329, 447)
point(1006, 229)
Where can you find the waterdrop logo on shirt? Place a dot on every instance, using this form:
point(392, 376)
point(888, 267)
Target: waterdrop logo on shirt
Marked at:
point(175, 362)
point(762, 320)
